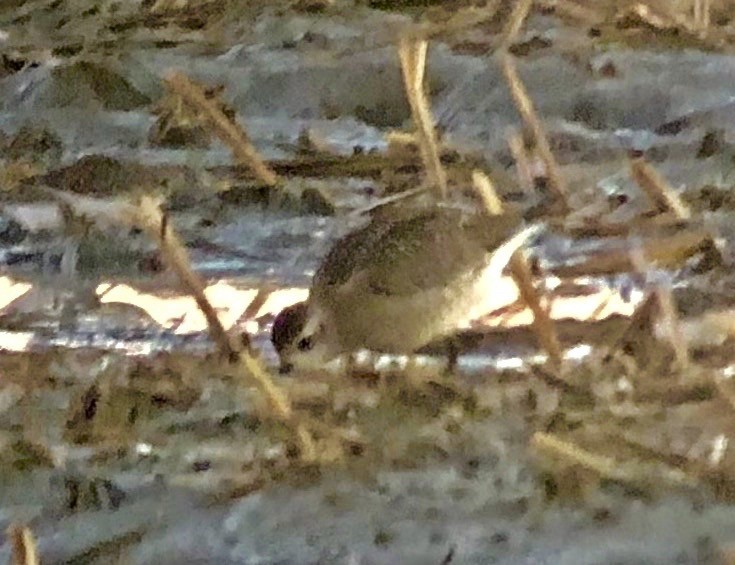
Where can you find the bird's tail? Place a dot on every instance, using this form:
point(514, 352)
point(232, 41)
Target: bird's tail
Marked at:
point(500, 256)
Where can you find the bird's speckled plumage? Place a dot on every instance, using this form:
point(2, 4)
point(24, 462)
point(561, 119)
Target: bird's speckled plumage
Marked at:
point(396, 284)
point(409, 255)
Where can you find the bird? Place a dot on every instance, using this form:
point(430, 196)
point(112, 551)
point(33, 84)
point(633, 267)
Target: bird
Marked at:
point(399, 283)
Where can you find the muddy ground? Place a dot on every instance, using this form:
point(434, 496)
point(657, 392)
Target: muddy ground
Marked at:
point(125, 436)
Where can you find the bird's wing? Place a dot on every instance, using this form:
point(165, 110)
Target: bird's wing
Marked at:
point(349, 255)
point(424, 252)
point(402, 257)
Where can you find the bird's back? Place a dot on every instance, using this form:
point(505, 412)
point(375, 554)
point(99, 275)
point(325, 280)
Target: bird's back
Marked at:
point(406, 255)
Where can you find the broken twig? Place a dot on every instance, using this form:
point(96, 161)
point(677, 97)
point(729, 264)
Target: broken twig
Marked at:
point(150, 219)
point(228, 131)
point(516, 21)
point(528, 115)
point(522, 275)
point(23, 545)
point(657, 189)
point(412, 53)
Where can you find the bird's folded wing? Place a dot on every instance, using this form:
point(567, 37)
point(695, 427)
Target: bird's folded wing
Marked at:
point(421, 253)
point(429, 250)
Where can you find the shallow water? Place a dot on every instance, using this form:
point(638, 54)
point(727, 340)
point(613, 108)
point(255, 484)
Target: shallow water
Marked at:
point(474, 496)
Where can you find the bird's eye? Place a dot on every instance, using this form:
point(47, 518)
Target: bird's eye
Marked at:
point(305, 344)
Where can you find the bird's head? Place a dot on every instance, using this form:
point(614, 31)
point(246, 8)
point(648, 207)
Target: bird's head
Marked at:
point(301, 339)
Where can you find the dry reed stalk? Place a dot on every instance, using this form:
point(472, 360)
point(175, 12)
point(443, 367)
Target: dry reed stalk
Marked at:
point(520, 156)
point(702, 11)
point(484, 187)
point(23, 545)
point(229, 132)
point(670, 320)
point(710, 470)
point(607, 467)
point(412, 53)
point(528, 115)
point(148, 217)
point(542, 321)
point(520, 269)
point(640, 322)
point(151, 220)
point(669, 252)
point(666, 310)
point(554, 446)
point(665, 200)
point(642, 15)
point(657, 189)
point(667, 224)
point(400, 138)
point(264, 292)
point(515, 22)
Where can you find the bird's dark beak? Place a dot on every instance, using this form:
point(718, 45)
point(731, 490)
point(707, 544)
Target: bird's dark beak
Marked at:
point(285, 368)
